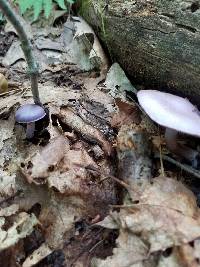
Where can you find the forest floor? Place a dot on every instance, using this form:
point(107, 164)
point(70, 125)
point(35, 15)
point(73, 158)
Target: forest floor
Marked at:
point(96, 185)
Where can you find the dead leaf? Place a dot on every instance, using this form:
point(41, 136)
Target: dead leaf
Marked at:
point(96, 95)
point(8, 102)
point(6, 133)
point(38, 166)
point(15, 58)
point(78, 52)
point(58, 218)
point(63, 168)
point(68, 32)
point(128, 113)
point(46, 43)
point(130, 252)
point(22, 226)
point(172, 260)
point(14, 54)
point(170, 193)
point(7, 185)
point(37, 255)
point(58, 212)
point(160, 218)
point(118, 83)
point(84, 49)
point(54, 95)
point(27, 27)
point(8, 211)
point(197, 249)
point(187, 255)
point(70, 178)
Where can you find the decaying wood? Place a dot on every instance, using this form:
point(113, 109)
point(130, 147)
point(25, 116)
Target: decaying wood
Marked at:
point(133, 153)
point(156, 42)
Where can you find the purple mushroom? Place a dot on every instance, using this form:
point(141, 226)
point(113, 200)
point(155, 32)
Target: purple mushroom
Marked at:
point(29, 114)
point(175, 113)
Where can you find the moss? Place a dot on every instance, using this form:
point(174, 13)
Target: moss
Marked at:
point(83, 7)
point(86, 8)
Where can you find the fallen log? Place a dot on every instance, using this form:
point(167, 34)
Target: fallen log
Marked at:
point(157, 42)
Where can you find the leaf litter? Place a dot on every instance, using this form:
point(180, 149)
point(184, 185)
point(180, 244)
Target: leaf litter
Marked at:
point(59, 193)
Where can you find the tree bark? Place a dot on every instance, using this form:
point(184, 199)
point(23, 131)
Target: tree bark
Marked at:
point(157, 42)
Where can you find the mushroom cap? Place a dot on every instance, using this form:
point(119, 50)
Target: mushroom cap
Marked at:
point(29, 113)
point(170, 111)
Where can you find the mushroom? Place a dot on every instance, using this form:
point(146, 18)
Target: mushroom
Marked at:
point(29, 114)
point(175, 113)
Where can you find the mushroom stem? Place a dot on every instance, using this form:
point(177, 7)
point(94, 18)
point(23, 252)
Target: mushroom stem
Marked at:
point(30, 129)
point(26, 45)
point(185, 152)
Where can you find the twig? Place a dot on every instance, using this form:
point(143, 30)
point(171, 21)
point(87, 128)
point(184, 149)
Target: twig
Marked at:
point(91, 168)
point(96, 245)
point(184, 167)
point(161, 157)
point(135, 206)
